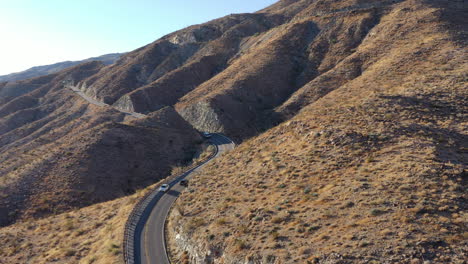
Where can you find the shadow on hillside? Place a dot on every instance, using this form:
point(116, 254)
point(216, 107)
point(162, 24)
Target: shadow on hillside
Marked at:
point(430, 105)
point(451, 145)
point(454, 13)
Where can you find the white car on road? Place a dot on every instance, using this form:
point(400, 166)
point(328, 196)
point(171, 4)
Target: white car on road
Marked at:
point(164, 188)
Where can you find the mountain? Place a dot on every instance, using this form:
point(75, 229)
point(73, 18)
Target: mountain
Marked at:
point(350, 117)
point(58, 152)
point(56, 67)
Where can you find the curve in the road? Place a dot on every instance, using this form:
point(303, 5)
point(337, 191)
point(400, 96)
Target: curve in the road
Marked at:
point(144, 240)
point(149, 240)
point(98, 103)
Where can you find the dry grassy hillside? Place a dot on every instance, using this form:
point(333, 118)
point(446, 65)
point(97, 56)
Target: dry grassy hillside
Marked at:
point(58, 152)
point(371, 170)
point(92, 234)
point(242, 74)
point(168, 68)
point(351, 117)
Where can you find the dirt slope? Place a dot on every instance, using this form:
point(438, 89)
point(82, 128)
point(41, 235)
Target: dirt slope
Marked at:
point(58, 153)
point(351, 117)
point(370, 168)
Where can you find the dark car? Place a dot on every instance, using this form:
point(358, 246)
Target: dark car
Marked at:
point(184, 182)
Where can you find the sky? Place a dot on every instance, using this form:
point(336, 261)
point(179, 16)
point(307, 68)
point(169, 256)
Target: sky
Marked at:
point(41, 32)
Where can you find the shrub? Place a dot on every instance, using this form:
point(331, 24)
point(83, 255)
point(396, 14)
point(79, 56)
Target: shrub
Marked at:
point(314, 228)
point(244, 229)
point(69, 252)
point(113, 248)
point(277, 220)
point(194, 223)
point(274, 235)
point(375, 212)
point(221, 221)
point(69, 224)
point(241, 244)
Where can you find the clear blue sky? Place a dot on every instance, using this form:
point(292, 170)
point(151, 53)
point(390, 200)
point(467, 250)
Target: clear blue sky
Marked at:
point(38, 32)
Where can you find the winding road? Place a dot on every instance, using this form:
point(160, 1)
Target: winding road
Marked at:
point(98, 103)
point(150, 245)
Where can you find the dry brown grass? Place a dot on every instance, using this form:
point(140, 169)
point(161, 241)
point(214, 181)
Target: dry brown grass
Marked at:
point(82, 159)
point(370, 165)
point(92, 234)
point(373, 171)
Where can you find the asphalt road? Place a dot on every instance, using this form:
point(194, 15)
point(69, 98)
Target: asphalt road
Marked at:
point(98, 103)
point(150, 246)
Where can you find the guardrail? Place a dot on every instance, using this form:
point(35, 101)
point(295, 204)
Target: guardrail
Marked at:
point(135, 217)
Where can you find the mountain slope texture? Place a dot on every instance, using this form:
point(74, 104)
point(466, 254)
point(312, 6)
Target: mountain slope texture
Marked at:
point(351, 117)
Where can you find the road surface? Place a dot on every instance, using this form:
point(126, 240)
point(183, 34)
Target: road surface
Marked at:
point(150, 245)
point(98, 103)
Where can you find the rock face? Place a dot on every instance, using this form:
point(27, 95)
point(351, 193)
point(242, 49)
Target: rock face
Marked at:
point(203, 116)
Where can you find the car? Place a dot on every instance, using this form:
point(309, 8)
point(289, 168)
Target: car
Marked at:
point(164, 188)
point(184, 182)
point(206, 135)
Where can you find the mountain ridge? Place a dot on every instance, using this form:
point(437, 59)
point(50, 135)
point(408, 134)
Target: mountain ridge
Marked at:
point(37, 71)
point(350, 117)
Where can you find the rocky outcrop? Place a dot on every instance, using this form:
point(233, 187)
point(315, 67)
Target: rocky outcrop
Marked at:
point(244, 93)
point(159, 74)
point(203, 117)
point(170, 88)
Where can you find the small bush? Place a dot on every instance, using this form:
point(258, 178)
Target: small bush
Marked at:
point(69, 252)
point(274, 235)
point(113, 248)
point(221, 221)
point(241, 244)
point(69, 224)
point(194, 223)
point(244, 229)
point(314, 228)
point(376, 212)
point(277, 220)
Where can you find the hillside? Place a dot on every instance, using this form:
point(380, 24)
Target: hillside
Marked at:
point(56, 67)
point(351, 119)
point(58, 152)
point(370, 168)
